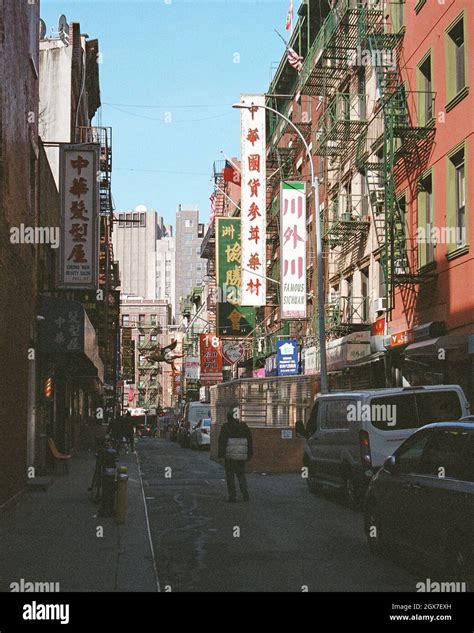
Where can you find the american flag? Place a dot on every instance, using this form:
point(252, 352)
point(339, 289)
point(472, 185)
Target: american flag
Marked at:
point(289, 17)
point(295, 60)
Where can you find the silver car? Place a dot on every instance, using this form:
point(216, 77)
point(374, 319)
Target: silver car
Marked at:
point(201, 434)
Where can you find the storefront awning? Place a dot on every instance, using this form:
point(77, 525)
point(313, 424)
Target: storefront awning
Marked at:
point(368, 359)
point(432, 346)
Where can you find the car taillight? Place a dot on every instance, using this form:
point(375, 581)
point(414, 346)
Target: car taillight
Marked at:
point(365, 455)
point(206, 431)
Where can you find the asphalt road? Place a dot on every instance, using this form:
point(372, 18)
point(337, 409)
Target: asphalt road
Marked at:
point(285, 539)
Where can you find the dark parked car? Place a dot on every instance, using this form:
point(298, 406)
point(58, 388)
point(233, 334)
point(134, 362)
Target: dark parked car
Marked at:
point(422, 500)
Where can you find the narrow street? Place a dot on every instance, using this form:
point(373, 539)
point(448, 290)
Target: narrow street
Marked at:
point(288, 539)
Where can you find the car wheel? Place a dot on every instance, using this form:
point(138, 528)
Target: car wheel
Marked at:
point(373, 528)
point(351, 491)
point(313, 486)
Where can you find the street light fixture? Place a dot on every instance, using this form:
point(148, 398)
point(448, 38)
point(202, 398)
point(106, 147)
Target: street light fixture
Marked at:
point(319, 249)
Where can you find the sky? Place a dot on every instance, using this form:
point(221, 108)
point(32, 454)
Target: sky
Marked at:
point(187, 61)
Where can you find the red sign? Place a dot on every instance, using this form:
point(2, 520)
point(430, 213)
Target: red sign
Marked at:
point(210, 349)
point(378, 327)
point(402, 338)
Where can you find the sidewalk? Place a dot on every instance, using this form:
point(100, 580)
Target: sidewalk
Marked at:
point(51, 536)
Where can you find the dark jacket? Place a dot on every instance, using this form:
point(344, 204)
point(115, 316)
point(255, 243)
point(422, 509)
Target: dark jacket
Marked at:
point(234, 430)
point(128, 426)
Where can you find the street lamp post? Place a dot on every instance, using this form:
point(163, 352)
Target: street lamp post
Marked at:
point(319, 249)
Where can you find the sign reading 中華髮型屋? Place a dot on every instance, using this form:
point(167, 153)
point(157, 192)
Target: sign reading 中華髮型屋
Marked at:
point(79, 205)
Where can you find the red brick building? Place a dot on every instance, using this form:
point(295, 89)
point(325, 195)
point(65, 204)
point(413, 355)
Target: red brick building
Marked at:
point(18, 204)
point(437, 190)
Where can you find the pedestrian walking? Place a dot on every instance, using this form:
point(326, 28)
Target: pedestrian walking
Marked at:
point(235, 448)
point(128, 430)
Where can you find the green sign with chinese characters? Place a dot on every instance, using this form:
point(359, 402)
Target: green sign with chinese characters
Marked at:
point(232, 318)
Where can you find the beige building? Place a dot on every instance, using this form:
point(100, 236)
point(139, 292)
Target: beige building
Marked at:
point(150, 323)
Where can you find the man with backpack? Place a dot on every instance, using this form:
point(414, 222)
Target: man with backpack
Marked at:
point(235, 448)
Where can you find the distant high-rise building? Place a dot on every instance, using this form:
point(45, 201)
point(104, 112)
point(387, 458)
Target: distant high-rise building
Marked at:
point(144, 246)
point(189, 267)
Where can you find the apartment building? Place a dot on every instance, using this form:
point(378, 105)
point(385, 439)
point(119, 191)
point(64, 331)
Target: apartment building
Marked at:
point(189, 266)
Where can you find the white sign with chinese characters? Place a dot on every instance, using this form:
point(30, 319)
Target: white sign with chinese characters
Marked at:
point(79, 200)
point(192, 368)
point(293, 250)
point(253, 201)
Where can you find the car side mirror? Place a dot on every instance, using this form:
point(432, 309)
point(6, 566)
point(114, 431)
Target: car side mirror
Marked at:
point(391, 465)
point(300, 430)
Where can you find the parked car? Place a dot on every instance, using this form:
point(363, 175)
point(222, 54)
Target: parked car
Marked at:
point(201, 434)
point(350, 434)
point(422, 500)
point(193, 412)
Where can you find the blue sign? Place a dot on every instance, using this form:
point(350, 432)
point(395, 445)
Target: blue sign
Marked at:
point(287, 358)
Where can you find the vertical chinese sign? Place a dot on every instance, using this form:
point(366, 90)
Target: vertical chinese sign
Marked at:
point(232, 318)
point(79, 203)
point(253, 201)
point(293, 250)
point(210, 350)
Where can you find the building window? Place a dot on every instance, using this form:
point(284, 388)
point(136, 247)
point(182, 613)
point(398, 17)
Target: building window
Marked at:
point(426, 245)
point(188, 224)
point(456, 200)
point(397, 13)
point(381, 276)
point(125, 320)
point(456, 60)
point(141, 319)
point(364, 285)
point(198, 250)
point(129, 219)
point(121, 220)
point(188, 236)
point(201, 228)
point(153, 338)
point(425, 95)
point(154, 319)
point(141, 340)
point(142, 219)
point(460, 196)
point(141, 359)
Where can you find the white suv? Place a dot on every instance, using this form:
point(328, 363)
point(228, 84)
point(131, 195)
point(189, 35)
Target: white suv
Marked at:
point(350, 434)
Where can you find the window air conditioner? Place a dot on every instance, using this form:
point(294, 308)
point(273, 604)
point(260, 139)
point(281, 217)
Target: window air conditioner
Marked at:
point(380, 304)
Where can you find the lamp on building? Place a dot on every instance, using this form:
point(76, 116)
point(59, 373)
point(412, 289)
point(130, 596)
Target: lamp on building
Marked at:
point(319, 249)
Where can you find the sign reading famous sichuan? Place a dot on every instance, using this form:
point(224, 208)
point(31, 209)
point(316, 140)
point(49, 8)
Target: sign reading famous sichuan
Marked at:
point(232, 318)
point(79, 200)
point(293, 250)
point(253, 201)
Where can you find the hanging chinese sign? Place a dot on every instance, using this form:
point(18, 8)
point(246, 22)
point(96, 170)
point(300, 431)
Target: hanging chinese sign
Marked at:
point(293, 250)
point(253, 201)
point(210, 350)
point(79, 203)
point(232, 318)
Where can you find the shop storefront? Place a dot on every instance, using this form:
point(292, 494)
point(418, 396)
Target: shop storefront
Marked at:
point(71, 377)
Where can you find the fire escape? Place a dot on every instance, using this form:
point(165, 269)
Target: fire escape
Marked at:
point(374, 143)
